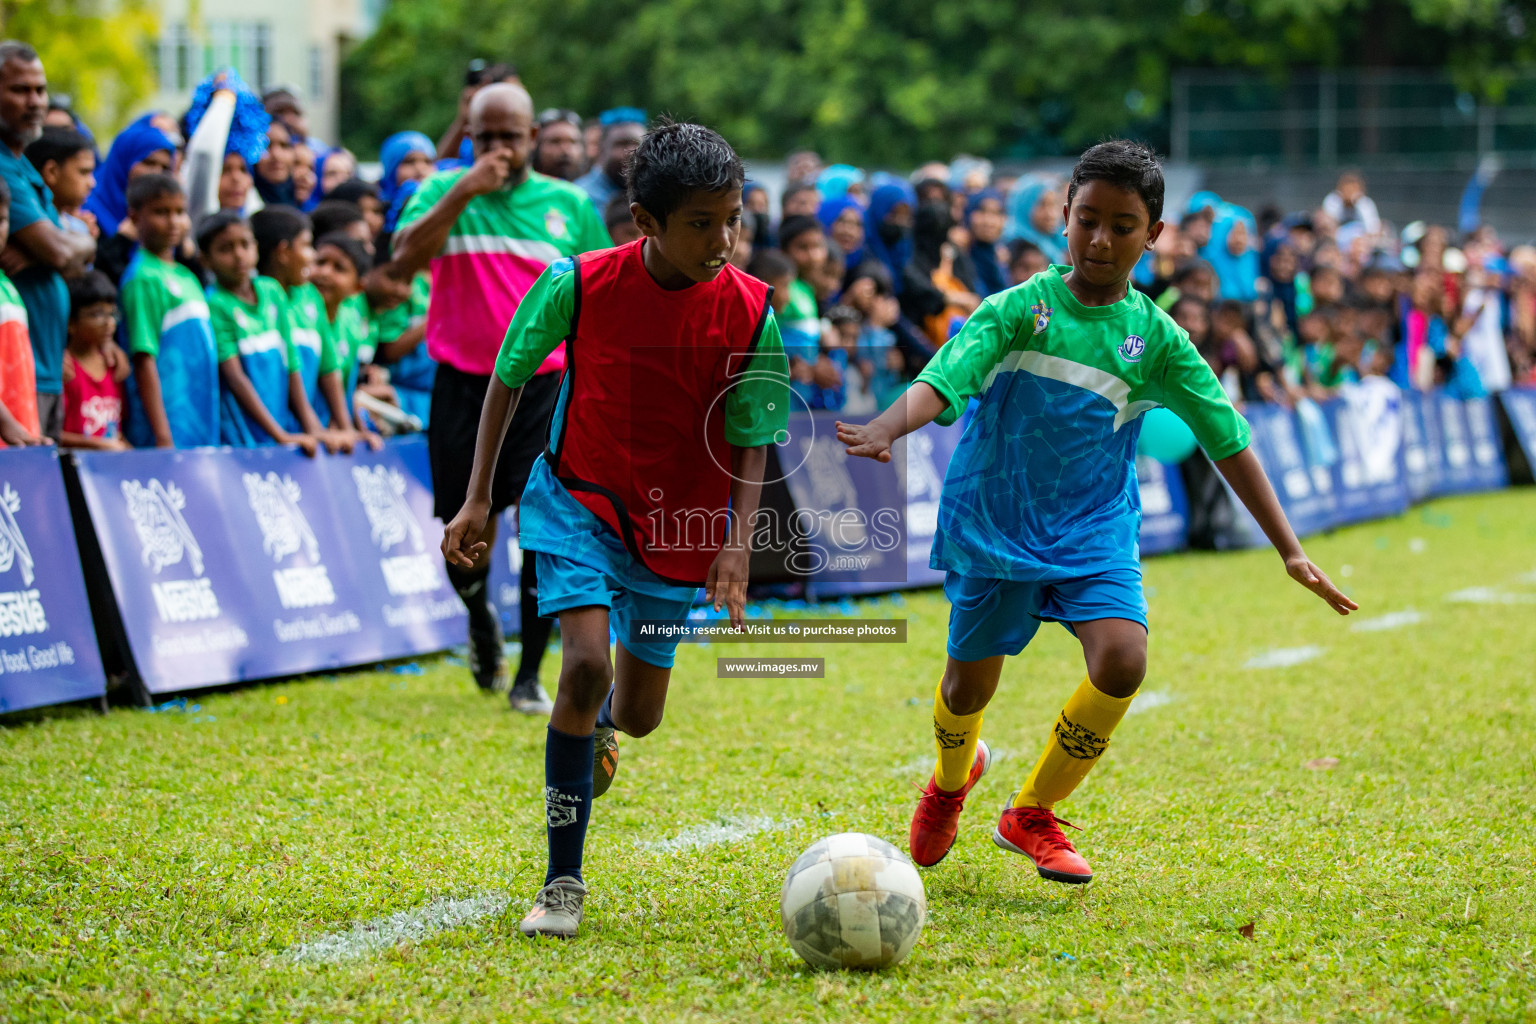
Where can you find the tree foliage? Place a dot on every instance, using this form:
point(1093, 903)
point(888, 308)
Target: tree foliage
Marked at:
point(894, 81)
point(96, 52)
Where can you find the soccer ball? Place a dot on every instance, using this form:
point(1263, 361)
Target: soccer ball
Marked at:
point(852, 900)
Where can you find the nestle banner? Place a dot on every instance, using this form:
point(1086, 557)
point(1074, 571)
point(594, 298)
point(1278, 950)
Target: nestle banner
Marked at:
point(1277, 444)
point(1423, 458)
point(506, 571)
point(235, 564)
point(1520, 409)
point(48, 649)
point(1164, 507)
point(1367, 425)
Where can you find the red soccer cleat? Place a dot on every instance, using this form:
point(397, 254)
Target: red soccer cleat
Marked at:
point(1035, 833)
point(937, 817)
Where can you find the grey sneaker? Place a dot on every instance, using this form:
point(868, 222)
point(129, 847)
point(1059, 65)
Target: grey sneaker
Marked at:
point(556, 909)
point(528, 697)
point(605, 759)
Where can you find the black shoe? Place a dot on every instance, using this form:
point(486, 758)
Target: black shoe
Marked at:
point(487, 658)
point(605, 759)
point(529, 698)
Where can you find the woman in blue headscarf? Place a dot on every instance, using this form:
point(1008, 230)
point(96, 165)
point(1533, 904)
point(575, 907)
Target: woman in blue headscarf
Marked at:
point(1034, 215)
point(1231, 253)
point(843, 221)
point(408, 159)
point(985, 217)
point(888, 228)
point(140, 149)
point(836, 181)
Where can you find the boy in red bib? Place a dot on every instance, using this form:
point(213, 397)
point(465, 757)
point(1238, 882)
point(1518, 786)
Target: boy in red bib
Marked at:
point(675, 383)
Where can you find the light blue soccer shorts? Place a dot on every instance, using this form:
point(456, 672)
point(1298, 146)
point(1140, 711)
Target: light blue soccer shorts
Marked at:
point(990, 617)
point(582, 563)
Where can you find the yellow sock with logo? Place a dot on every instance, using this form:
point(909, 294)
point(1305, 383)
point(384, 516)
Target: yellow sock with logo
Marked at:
point(1077, 742)
point(955, 736)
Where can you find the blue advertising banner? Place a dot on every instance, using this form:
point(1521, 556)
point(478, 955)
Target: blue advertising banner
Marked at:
point(236, 564)
point(1489, 471)
point(1469, 444)
point(1278, 446)
point(1164, 507)
point(1367, 426)
point(854, 513)
point(506, 571)
point(48, 651)
point(1423, 459)
point(1520, 407)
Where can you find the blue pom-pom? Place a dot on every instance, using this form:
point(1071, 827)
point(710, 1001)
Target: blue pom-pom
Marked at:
point(248, 130)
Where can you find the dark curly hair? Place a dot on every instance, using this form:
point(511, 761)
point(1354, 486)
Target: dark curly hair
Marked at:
point(677, 159)
point(1126, 165)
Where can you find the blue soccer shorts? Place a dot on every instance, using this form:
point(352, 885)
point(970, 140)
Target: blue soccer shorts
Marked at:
point(990, 617)
point(582, 563)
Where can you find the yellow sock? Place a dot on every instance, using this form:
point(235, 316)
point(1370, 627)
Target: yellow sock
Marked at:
point(955, 736)
point(1075, 746)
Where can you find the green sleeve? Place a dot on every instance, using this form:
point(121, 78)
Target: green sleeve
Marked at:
point(757, 408)
point(421, 297)
point(1192, 392)
point(590, 232)
point(142, 314)
point(959, 369)
point(329, 359)
point(226, 335)
point(541, 323)
point(426, 197)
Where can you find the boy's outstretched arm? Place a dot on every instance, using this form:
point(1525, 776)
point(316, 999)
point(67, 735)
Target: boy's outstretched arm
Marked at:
point(1252, 487)
point(916, 407)
point(461, 539)
point(727, 580)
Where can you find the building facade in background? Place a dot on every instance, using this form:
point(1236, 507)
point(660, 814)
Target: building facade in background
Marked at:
point(296, 44)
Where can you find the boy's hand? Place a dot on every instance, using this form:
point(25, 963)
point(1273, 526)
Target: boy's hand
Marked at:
point(866, 440)
point(337, 441)
point(727, 582)
point(489, 173)
point(461, 538)
point(117, 361)
point(375, 442)
point(1314, 579)
point(17, 436)
point(303, 442)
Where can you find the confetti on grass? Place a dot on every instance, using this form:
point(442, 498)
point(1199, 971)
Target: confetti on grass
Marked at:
point(366, 937)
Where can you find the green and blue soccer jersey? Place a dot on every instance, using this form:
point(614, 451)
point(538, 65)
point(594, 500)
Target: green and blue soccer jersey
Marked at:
point(1043, 484)
point(257, 335)
point(165, 315)
point(309, 333)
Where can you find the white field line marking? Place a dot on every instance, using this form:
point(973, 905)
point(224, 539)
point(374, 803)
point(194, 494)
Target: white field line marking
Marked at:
point(1149, 699)
point(1529, 577)
point(1489, 595)
point(728, 829)
point(366, 937)
point(1391, 620)
point(1283, 657)
point(917, 765)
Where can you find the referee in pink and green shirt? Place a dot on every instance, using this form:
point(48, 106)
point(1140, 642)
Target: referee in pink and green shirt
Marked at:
point(486, 232)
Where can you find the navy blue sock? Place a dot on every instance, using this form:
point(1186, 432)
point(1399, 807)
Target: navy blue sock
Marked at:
point(567, 800)
point(605, 713)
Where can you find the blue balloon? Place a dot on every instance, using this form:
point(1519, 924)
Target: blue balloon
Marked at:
point(1165, 437)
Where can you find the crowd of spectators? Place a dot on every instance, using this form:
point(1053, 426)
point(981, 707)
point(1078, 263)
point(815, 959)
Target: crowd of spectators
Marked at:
point(279, 319)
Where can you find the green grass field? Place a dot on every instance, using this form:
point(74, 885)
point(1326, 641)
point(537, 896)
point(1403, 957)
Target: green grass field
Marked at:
point(209, 864)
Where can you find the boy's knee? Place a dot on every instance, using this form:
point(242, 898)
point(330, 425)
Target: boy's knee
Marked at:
point(1118, 669)
point(635, 721)
point(961, 699)
point(586, 676)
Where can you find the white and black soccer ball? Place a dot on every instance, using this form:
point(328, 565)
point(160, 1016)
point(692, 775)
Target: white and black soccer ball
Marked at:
point(853, 900)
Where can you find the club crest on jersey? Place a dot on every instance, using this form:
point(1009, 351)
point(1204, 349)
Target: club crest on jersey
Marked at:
point(1132, 348)
point(555, 224)
point(1042, 314)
